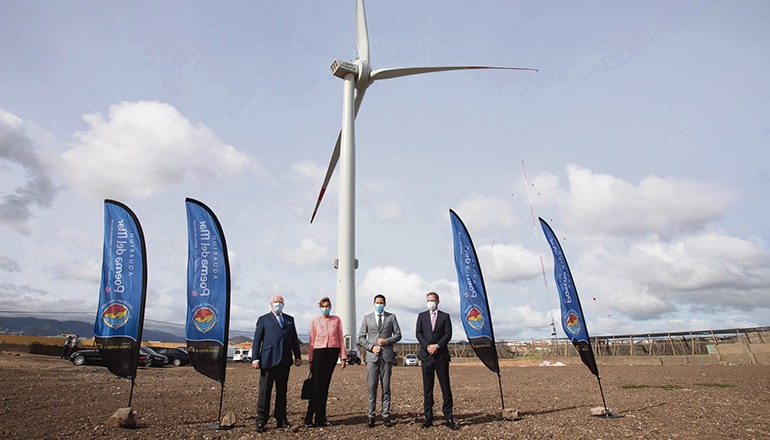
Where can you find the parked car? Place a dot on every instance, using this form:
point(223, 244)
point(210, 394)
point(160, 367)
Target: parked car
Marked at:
point(176, 356)
point(411, 360)
point(353, 357)
point(242, 355)
point(156, 360)
point(93, 357)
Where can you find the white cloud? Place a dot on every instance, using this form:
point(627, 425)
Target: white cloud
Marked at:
point(515, 320)
point(482, 213)
point(308, 170)
point(88, 271)
point(605, 204)
point(527, 317)
point(308, 254)
point(38, 188)
point(707, 261)
point(9, 265)
point(508, 262)
point(379, 199)
point(142, 147)
point(23, 297)
point(651, 278)
point(646, 251)
point(386, 210)
point(402, 290)
point(544, 189)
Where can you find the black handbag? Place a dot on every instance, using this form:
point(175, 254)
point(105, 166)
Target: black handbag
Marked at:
point(307, 387)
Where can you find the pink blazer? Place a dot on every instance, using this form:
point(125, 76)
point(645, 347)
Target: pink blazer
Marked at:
point(327, 333)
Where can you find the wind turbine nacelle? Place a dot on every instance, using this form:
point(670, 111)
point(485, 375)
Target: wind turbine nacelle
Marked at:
point(342, 68)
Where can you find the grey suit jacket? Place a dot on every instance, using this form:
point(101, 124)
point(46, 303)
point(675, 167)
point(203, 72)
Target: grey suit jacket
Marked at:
point(369, 333)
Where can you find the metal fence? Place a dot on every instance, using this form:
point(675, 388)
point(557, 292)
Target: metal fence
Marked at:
point(640, 344)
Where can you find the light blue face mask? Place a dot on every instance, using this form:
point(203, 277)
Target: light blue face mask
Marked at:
point(379, 308)
point(325, 310)
point(277, 307)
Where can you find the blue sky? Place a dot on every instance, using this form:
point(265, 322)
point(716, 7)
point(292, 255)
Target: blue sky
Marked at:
point(645, 136)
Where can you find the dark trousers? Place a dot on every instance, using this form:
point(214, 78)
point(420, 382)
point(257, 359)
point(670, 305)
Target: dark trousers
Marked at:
point(278, 375)
point(440, 369)
point(324, 361)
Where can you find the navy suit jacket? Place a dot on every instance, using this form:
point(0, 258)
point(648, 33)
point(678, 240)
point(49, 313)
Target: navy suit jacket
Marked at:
point(273, 345)
point(427, 336)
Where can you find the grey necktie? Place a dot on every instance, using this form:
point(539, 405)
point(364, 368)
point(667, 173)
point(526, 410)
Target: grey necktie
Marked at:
point(379, 321)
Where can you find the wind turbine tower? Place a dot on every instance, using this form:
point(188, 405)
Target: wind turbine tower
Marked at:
point(357, 76)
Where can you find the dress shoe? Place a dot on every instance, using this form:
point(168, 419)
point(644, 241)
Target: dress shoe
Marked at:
point(427, 423)
point(452, 424)
point(260, 427)
point(386, 421)
point(370, 422)
point(323, 424)
point(285, 424)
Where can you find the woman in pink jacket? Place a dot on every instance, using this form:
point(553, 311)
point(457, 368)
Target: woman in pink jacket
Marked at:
point(326, 345)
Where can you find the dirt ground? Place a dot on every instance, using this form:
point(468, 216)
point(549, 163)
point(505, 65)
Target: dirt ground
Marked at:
point(45, 397)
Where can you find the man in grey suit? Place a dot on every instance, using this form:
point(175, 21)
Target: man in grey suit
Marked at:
point(379, 332)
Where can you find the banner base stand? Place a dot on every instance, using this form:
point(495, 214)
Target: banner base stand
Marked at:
point(611, 415)
point(219, 427)
point(604, 413)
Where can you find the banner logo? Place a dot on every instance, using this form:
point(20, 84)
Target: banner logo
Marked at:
point(475, 318)
point(205, 319)
point(572, 323)
point(116, 315)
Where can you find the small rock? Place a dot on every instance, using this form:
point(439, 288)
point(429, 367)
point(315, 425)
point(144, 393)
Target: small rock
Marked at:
point(123, 417)
point(551, 364)
point(508, 414)
point(598, 411)
point(228, 420)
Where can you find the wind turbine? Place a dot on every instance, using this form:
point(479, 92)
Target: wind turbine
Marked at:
point(357, 76)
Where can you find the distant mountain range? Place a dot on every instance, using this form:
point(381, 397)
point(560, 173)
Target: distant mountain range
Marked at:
point(240, 339)
point(53, 327)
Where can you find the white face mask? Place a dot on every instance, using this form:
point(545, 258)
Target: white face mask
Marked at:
point(432, 305)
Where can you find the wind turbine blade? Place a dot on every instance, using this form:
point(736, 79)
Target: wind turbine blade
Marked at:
point(407, 71)
point(360, 97)
point(336, 155)
point(329, 172)
point(362, 35)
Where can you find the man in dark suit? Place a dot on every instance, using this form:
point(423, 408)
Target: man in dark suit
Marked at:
point(434, 331)
point(275, 340)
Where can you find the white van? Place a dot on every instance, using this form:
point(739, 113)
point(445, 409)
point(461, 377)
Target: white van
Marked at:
point(242, 355)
